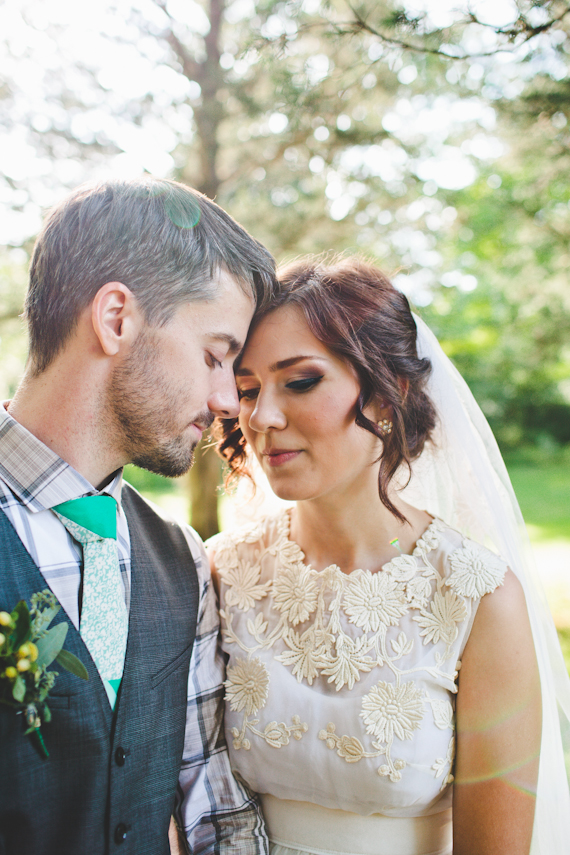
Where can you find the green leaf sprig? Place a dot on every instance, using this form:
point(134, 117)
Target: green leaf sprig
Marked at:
point(27, 649)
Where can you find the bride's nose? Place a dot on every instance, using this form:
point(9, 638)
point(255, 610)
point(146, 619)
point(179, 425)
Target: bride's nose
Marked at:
point(267, 414)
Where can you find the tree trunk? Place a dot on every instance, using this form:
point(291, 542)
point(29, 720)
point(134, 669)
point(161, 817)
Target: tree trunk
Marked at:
point(203, 481)
point(205, 476)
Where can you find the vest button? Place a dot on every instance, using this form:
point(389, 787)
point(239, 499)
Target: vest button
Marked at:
point(120, 756)
point(121, 833)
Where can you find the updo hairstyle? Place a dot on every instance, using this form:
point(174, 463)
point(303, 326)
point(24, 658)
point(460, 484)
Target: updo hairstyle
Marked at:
point(355, 311)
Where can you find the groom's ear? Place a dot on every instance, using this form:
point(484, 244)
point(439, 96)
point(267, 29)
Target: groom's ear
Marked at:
point(116, 318)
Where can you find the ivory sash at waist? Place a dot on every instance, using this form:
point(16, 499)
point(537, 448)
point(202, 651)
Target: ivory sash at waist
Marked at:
point(312, 828)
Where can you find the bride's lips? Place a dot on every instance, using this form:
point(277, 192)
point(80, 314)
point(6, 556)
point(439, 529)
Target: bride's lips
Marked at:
point(279, 456)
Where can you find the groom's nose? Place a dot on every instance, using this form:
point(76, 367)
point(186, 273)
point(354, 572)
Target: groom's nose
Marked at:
point(223, 400)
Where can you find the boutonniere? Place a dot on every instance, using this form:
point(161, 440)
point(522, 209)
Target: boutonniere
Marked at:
point(27, 649)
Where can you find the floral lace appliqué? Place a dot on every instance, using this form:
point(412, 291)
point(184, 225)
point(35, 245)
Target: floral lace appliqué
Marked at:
point(246, 690)
point(389, 712)
point(443, 763)
point(243, 588)
point(441, 622)
point(374, 599)
point(476, 570)
point(294, 593)
point(339, 626)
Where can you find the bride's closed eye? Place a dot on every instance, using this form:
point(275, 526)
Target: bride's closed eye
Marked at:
point(304, 384)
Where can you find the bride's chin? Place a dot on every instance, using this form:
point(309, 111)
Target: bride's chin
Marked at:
point(289, 492)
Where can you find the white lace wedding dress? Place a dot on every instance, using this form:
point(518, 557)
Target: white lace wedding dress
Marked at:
point(340, 687)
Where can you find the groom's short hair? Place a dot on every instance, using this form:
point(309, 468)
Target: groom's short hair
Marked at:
point(161, 239)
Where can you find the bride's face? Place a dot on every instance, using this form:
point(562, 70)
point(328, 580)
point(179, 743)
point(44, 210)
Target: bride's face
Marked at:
point(298, 407)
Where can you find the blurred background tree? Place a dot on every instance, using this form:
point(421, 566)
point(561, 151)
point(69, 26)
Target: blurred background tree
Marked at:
point(430, 137)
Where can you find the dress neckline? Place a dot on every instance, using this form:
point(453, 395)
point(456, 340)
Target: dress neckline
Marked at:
point(296, 553)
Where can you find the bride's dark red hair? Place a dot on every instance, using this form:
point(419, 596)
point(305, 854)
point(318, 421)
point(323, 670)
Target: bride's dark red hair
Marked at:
point(355, 311)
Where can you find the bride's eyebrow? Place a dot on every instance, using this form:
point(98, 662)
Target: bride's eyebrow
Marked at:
point(277, 366)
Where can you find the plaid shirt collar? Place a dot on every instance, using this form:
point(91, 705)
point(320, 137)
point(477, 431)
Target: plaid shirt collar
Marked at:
point(37, 476)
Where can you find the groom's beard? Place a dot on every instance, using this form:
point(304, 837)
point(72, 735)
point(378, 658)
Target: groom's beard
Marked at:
point(143, 405)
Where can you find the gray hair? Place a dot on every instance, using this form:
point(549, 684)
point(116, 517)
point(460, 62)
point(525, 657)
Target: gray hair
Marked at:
point(161, 239)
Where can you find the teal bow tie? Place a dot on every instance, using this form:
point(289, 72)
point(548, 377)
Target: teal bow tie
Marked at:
point(92, 521)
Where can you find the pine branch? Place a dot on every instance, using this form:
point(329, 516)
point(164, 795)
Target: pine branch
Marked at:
point(517, 34)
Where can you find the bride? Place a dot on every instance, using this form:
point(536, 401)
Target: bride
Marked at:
point(390, 687)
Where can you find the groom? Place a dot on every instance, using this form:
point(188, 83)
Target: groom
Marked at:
point(140, 298)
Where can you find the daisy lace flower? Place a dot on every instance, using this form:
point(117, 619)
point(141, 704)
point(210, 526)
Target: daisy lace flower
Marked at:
point(447, 611)
point(476, 570)
point(247, 685)
point(390, 711)
point(243, 589)
point(374, 599)
point(294, 593)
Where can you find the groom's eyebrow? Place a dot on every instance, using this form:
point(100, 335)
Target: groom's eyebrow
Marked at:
point(277, 366)
point(234, 346)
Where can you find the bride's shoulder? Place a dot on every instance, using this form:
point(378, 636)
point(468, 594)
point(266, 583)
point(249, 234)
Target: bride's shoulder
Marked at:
point(471, 569)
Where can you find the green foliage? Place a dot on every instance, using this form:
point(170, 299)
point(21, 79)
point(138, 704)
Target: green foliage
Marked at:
point(51, 644)
point(147, 482)
point(317, 126)
point(12, 339)
point(27, 649)
point(513, 358)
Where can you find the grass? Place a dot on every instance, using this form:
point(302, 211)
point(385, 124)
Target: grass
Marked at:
point(542, 486)
point(544, 496)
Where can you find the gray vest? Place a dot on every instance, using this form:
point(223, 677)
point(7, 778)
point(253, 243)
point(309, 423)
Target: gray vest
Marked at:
point(110, 781)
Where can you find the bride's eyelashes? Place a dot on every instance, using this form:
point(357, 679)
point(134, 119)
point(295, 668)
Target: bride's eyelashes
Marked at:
point(304, 384)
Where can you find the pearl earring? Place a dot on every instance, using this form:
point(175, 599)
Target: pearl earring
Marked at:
point(385, 426)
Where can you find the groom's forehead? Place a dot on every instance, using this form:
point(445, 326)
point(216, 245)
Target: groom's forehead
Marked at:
point(222, 318)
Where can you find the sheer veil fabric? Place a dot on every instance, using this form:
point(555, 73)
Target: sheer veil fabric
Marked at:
point(461, 478)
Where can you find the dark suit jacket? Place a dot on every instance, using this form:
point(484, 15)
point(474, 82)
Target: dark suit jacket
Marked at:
point(110, 781)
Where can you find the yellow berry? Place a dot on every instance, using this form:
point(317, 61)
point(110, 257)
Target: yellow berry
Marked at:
point(33, 654)
point(28, 651)
point(23, 665)
point(5, 619)
point(2, 638)
point(11, 672)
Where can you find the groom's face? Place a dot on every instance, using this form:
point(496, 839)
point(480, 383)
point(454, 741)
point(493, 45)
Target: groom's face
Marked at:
point(178, 377)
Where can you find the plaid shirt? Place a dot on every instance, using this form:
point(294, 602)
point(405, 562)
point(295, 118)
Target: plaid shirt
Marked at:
point(218, 814)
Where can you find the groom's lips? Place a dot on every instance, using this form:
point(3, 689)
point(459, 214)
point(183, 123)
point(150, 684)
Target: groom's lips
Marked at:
point(198, 428)
point(203, 424)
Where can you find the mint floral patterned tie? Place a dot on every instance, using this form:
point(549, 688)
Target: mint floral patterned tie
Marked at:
point(92, 521)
